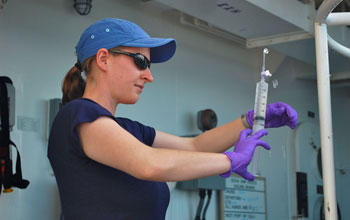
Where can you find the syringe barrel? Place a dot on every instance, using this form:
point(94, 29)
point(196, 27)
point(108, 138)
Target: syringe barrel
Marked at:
point(259, 121)
point(260, 106)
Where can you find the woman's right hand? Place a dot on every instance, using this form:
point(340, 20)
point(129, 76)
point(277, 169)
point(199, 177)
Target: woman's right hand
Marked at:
point(244, 151)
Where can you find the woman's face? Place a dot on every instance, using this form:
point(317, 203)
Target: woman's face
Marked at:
point(127, 79)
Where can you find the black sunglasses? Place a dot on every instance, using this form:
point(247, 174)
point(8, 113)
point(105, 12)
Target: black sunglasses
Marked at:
point(140, 60)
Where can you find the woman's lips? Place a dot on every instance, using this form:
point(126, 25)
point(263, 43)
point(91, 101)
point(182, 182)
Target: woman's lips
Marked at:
point(140, 87)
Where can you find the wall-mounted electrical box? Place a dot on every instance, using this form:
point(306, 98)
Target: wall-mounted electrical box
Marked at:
point(54, 107)
point(212, 182)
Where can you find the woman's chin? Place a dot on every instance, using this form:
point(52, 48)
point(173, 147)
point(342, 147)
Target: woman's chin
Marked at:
point(131, 101)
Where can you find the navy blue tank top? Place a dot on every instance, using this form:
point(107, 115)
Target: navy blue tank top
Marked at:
point(91, 190)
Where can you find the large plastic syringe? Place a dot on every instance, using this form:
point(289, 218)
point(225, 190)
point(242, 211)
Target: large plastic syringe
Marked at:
point(260, 111)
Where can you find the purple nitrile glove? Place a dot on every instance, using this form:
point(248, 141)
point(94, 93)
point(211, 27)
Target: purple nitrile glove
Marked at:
point(277, 115)
point(243, 153)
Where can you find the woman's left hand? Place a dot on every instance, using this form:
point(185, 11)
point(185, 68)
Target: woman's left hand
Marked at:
point(243, 152)
point(277, 115)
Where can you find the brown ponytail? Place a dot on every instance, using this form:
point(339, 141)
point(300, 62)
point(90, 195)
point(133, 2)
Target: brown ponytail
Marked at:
point(73, 85)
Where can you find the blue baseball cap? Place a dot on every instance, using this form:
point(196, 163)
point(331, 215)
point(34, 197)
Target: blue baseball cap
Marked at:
point(112, 32)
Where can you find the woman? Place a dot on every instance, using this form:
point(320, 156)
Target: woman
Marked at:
point(115, 168)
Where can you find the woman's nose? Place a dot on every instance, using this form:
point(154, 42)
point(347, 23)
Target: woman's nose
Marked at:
point(147, 75)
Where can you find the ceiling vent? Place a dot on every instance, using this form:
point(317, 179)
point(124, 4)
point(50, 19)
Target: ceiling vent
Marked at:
point(286, 26)
point(250, 22)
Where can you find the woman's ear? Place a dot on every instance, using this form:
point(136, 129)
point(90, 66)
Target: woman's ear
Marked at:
point(102, 58)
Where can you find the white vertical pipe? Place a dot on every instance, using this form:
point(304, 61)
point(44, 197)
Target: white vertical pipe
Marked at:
point(324, 103)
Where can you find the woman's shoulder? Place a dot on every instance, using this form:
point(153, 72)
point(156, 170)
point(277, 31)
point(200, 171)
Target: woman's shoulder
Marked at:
point(85, 104)
point(83, 107)
point(81, 102)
